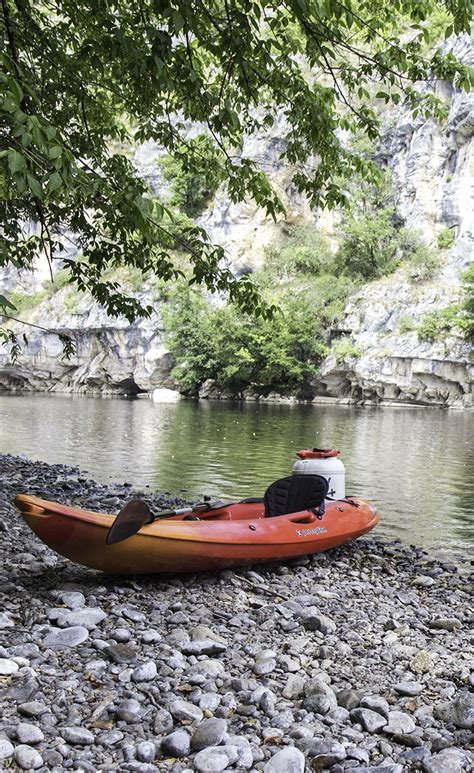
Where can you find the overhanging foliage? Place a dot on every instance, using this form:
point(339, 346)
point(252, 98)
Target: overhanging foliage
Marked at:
point(81, 78)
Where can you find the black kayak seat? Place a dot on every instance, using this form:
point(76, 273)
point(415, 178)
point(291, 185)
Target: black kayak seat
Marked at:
point(295, 493)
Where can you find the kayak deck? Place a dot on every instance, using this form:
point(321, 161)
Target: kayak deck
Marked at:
point(233, 535)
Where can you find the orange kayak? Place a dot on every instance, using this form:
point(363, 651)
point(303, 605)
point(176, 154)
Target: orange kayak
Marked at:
point(233, 535)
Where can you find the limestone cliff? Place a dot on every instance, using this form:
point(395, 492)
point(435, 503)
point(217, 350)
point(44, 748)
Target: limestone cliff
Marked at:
point(433, 170)
point(432, 167)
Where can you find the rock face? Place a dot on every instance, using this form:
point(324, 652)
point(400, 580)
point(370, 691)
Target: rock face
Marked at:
point(431, 165)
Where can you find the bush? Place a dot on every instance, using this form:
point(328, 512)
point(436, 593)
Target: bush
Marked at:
point(194, 173)
point(305, 251)
point(438, 324)
point(406, 325)
point(446, 238)
point(467, 308)
point(237, 351)
point(345, 349)
point(373, 243)
point(424, 262)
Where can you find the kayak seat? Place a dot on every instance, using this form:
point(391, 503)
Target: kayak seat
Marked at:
point(295, 493)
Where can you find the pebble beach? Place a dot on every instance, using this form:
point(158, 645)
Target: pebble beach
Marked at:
point(358, 659)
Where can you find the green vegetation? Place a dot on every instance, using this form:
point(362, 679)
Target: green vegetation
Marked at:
point(309, 284)
point(467, 308)
point(438, 324)
point(457, 317)
point(23, 301)
point(237, 350)
point(345, 349)
point(305, 250)
point(446, 238)
point(194, 172)
point(280, 354)
point(372, 242)
point(423, 262)
point(406, 325)
point(80, 80)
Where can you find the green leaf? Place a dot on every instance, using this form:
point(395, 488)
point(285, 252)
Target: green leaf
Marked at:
point(16, 161)
point(55, 182)
point(34, 186)
point(55, 151)
point(6, 304)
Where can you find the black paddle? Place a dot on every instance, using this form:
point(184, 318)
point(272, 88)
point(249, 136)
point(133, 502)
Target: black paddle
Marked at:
point(136, 514)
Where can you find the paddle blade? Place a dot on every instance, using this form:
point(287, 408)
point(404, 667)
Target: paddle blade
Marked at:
point(130, 519)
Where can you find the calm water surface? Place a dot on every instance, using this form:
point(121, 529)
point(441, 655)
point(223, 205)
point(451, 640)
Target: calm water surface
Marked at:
point(416, 464)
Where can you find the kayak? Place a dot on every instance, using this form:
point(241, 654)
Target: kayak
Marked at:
point(233, 535)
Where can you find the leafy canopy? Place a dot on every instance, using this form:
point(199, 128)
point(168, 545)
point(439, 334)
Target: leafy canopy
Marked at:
point(81, 79)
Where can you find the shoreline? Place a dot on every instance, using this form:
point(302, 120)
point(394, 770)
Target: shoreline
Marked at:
point(272, 399)
point(352, 659)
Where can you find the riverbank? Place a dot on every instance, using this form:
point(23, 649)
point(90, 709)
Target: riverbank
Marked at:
point(354, 659)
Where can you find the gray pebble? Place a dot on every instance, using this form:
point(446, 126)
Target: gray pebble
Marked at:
point(62, 638)
point(319, 697)
point(8, 667)
point(185, 710)
point(145, 673)
point(77, 735)
point(215, 758)
point(176, 744)
point(408, 688)
point(129, 710)
point(90, 617)
point(371, 721)
point(376, 703)
point(452, 760)
point(27, 733)
point(72, 599)
point(211, 732)
point(27, 758)
point(289, 760)
point(399, 723)
point(146, 751)
point(6, 749)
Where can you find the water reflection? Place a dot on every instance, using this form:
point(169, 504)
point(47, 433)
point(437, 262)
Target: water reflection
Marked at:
point(416, 464)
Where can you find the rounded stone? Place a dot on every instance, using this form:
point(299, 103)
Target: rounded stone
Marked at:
point(79, 736)
point(27, 733)
point(27, 758)
point(146, 751)
point(176, 744)
point(8, 667)
point(399, 723)
point(211, 732)
point(216, 758)
point(145, 673)
point(183, 710)
point(452, 760)
point(72, 599)
point(63, 638)
point(6, 749)
point(129, 710)
point(289, 760)
point(89, 618)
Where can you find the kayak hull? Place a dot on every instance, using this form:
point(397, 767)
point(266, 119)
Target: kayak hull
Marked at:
point(231, 536)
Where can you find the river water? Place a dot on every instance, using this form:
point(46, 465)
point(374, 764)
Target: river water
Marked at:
point(416, 464)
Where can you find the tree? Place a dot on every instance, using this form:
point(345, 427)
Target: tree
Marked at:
point(81, 79)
